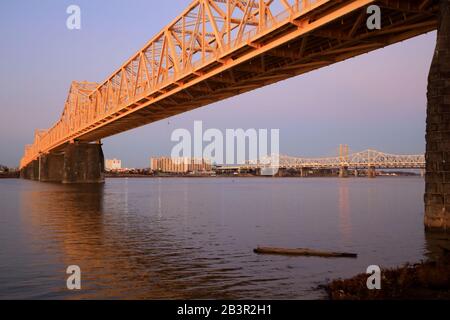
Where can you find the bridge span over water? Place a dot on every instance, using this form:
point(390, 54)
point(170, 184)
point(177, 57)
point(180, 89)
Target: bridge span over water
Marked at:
point(216, 49)
point(221, 48)
point(368, 160)
point(359, 160)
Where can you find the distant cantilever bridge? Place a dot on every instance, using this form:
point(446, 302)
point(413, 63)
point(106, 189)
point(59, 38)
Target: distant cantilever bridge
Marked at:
point(360, 160)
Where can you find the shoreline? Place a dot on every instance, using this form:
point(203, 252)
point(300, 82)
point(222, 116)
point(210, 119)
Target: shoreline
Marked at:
point(429, 280)
point(121, 176)
point(12, 175)
point(131, 176)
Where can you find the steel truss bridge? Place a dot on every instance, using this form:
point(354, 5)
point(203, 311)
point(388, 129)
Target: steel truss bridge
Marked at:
point(217, 49)
point(360, 160)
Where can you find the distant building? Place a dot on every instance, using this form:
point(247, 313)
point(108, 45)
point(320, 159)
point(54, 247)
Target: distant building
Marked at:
point(114, 164)
point(180, 165)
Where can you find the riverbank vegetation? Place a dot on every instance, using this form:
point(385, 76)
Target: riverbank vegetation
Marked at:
point(427, 280)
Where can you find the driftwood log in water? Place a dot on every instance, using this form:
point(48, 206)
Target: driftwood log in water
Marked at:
point(304, 252)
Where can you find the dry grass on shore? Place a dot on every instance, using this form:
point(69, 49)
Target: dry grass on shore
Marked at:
point(426, 280)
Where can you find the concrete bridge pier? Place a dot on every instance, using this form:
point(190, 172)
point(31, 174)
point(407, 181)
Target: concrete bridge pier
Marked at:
point(304, 172)
point(83, 163)
point(437, 177)
point(371, 172)
point(51, 167)
point(77, 163)
point(343, 172)
point(35, 170)
point(24, 173)
point(31, 171)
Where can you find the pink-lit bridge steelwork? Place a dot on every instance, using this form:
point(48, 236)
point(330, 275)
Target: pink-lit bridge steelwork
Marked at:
point(221, 48)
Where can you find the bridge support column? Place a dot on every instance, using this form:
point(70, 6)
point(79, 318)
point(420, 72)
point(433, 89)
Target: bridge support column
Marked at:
point(51, 167)
point(33, 170)
point(304, 172)
point(29, 172)
point(371, 172)
point(24, 173)
point(83, 163)
point(437, 177)
point(343, 172)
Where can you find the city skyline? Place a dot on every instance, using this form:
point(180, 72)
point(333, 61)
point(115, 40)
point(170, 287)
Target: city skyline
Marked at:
point(372, 104)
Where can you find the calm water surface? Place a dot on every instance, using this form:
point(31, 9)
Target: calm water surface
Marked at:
point(194, 238)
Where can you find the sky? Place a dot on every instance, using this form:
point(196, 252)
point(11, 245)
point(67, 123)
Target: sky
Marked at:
point(377, 100)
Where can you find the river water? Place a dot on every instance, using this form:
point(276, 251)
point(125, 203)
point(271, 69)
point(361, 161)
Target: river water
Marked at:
point(193, 238)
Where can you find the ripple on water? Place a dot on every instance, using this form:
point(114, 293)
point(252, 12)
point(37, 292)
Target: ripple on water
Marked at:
point(194, 238)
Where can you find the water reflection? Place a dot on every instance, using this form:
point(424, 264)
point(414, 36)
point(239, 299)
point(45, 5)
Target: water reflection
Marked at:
point(345, 225)
point(194, 238)
point(121, 254)
point(159, 200)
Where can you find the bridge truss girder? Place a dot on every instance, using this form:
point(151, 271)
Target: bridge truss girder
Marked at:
point(217, 49)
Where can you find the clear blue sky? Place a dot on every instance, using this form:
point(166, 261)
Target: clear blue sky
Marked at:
point(377, 100)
